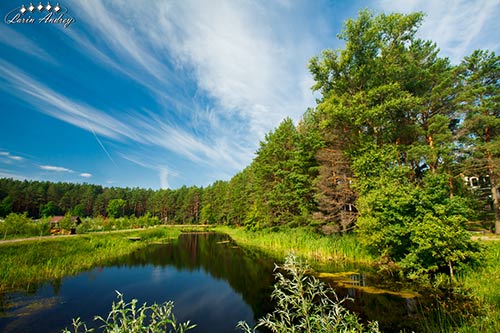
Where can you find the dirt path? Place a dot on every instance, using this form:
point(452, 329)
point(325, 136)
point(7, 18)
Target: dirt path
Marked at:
point(51, 237)
point(485, 238)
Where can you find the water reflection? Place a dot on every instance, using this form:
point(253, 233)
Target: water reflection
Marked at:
point(212, 283)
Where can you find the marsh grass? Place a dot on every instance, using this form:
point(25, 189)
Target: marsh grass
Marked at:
point(25, 264)
point(304, 242)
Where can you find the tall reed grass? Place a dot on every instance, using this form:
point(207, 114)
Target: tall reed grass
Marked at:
point(304, 242)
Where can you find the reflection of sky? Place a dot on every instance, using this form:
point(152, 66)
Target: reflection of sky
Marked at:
point(208, 302)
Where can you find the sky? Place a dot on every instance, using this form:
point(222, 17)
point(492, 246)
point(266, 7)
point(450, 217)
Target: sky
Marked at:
point(161, 94)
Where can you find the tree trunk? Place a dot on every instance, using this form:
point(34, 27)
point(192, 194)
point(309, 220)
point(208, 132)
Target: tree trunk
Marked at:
point(494, 197)
point(493, 183)
point(452, 276)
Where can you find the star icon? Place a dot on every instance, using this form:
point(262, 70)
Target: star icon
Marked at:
point(48, 7)
point(57, 8)
point(31, 8)
point(23, 9)
point(40, 7)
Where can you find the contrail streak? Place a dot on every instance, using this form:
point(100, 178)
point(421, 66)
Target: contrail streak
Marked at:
point(100, 143)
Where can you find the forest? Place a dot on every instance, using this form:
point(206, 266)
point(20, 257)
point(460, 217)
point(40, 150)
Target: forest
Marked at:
point(402, 148)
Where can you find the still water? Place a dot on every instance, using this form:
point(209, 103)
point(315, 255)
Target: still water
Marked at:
point(212, 282)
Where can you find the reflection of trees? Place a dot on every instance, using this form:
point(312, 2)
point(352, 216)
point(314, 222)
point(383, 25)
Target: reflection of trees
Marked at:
point(394, 313)
point(246, 272)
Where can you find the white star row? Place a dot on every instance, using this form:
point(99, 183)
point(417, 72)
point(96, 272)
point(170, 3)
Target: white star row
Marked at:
point(40, 8)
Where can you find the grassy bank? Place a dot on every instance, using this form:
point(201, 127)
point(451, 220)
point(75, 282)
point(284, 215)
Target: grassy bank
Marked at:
point(303, 242)
point(27, 263)
point(484, 284)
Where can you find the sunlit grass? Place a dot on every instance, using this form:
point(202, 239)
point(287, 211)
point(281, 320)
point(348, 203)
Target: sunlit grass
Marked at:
point(484, 283)
point(27, 263)
point(303, 242)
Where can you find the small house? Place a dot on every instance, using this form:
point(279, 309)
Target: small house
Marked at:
point(55, 227)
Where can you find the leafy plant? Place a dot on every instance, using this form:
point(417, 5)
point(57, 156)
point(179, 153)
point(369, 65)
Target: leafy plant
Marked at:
point(305, 304)
point(128, 318)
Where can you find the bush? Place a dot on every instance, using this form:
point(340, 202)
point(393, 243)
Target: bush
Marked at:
point(128, 318)
point(304, 304)
point(15, 224)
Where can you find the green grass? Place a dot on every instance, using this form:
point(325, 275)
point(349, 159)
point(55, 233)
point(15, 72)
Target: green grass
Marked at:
point(484, 284)
point(303, 242)
point(25, 264)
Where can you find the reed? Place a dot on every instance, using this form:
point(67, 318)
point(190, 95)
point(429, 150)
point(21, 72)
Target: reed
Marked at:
point(23, 265)
point(132, 317)
point(304, 242)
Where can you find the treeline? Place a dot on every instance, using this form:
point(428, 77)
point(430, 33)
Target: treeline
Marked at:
point(42, 199)
point(390, 109)
point(395, 132)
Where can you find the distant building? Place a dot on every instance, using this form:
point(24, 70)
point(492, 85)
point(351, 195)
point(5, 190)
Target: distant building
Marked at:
point(478, 182)
point(55, 227)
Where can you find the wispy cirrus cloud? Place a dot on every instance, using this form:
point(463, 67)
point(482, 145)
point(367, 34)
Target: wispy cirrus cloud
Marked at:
point(457, 27)
point(10, 156)
point(10, 174)
point(61, 169)
point(16, 40)
point(131, 127)
point(255, 74)
point(55, 168)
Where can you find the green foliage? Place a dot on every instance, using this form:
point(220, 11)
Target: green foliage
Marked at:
point(67, 222)
point(116, 208)
point(480, 77)
point(284, 170)
point(49, 209)
point(15, 224)
point(130, 318)
point(6, 206)
point(420, 227)
point(304, 304)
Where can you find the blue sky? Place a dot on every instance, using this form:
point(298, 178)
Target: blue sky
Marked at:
point(160, 94)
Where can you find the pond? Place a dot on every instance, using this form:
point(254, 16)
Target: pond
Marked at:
point(212, 282)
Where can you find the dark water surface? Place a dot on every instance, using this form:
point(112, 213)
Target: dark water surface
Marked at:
point(212, 282)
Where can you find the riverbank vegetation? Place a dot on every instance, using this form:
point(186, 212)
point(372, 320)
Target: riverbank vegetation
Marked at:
point(402, 150)
point(304, 304)
point(24, 265)
point(130, 317)
point(403, 147)
point(304, 242)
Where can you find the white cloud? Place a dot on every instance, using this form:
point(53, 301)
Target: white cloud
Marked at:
point(86, 175)
point(163, 173)
point(9, 174)
point(14, 39)
point(223, 74)
point(243, 55)
point(61, 107)
point(10, 156)
point(240, 57)
point(134, 127)
point(458, 27)
point(55, 168)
